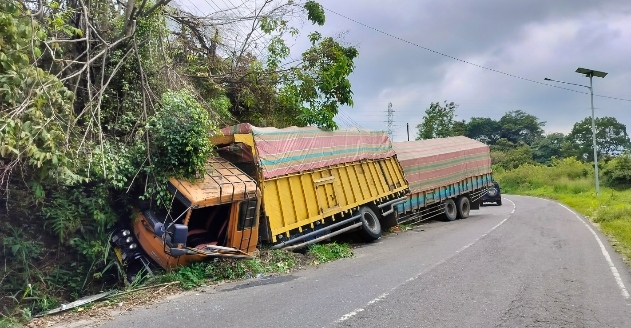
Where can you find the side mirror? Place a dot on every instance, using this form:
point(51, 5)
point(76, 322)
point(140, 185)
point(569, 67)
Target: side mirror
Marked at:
point(180, 234)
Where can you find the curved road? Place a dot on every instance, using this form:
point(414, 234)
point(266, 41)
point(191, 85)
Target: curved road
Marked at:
point(529, 263)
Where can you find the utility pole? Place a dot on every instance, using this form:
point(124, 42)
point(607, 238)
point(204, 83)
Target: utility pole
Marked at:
point(590, 73)
point(407, 125)
point(390, 121)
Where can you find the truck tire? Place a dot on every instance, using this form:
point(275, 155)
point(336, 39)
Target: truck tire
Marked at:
point(451, 212)
point(371, 228)
point(464, 207)
point(499, 202)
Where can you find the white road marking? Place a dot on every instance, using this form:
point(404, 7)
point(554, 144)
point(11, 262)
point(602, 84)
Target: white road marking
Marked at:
point(614, 271)
point(384, 295)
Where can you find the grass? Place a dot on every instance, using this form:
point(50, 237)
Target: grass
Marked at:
point(572, 183)
point(269, 261)
point(6, 322)
point(198, 274)
point(330, 252)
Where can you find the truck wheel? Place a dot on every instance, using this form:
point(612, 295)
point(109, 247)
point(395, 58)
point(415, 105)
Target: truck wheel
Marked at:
point(371, 228)
point(451, 213)
point(464, 206)
point(499, 202)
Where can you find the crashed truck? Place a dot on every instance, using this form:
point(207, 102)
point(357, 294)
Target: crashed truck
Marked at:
point(447, 177)
point(286, 187)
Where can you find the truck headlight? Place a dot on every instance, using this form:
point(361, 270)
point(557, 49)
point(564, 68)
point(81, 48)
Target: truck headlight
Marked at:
point(126, 233)
point(129, 240)
point(133, 246)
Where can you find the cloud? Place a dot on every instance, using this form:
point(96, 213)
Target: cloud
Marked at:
point(534, 40)
point(530, 39)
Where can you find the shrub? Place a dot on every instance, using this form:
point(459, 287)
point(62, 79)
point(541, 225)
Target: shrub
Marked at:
point(180, 133)
point(617, 173)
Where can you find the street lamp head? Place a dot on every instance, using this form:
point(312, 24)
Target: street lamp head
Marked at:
point(590, 72)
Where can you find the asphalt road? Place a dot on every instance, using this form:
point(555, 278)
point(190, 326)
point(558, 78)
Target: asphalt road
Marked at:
point(541, 266)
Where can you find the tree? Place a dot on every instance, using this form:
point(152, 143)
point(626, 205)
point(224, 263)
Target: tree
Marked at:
point(102, 101)
point(512, 158)
point(36, 108)
point(320, 85)
point(519, 127)
point(611, 138)
point(438, 121)
point(548, 147)
point(459, 128)
point(483, 129)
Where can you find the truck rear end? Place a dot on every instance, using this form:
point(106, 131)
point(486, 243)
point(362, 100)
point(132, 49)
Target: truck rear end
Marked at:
point(315, 183)
point(447, 177)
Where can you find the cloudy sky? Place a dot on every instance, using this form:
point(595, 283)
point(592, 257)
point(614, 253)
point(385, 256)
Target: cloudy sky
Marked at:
point(532, 39)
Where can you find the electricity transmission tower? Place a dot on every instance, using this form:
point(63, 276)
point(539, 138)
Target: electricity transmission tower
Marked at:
point(390, 121)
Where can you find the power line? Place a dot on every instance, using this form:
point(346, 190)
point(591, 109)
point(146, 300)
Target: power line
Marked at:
point(467, 62)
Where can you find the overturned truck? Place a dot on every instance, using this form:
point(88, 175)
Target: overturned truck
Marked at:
point(286, 187)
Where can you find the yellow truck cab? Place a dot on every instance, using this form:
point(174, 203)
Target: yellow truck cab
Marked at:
point(216, 216)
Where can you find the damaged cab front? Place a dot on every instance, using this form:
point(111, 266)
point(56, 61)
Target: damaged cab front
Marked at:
point(213, 217)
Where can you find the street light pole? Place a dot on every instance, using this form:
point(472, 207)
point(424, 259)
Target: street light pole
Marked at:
point(590, 73)
point(591, 93)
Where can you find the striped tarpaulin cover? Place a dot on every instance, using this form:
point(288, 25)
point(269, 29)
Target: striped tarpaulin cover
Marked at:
point(428, 164)
point(296, 149)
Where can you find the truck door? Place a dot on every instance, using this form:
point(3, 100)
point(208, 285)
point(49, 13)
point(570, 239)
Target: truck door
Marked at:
point(325, 192)
point(246, 230)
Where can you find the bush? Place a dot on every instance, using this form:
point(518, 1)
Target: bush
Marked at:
point(617, 173)
point(180, 133)
point(512, 158)
point(567, 175)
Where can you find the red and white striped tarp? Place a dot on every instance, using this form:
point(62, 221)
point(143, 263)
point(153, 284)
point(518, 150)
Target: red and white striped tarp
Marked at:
point(296, 149)
point(432, 163)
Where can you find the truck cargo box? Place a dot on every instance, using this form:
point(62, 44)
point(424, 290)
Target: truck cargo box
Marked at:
point(308, 175)
point(442, 168)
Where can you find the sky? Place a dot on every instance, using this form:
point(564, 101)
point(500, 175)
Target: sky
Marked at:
point(531, 39)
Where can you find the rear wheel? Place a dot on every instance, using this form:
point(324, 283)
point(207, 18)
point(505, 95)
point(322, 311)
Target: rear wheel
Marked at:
point(451, 213)
point(464, 207)
point(371, 228)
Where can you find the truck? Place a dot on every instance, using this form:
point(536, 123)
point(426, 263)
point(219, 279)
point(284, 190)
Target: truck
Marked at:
point(447, 177)
point(288, 187)
point(316, 184)
point(212, 217)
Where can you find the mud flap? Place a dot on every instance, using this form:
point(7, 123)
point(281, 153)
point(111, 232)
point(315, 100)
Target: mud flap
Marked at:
point(476, 205)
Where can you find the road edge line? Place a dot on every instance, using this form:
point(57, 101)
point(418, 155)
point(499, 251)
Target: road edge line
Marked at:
point(612, 266)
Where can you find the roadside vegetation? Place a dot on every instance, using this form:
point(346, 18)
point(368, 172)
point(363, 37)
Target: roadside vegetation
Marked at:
point(268, 262)
point(103, 101)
